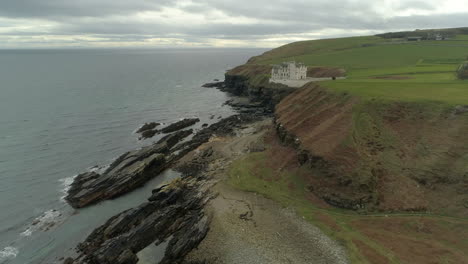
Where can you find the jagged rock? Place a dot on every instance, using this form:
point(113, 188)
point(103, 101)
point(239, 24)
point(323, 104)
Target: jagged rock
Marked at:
point(225, 126)
point(174, 211)
point(148, 133)
point(197, 164)
point(148, 126)
point(180, 125)
point(337, 200)
point(126, 173)
point(68, 261)
point(174, 138)
point(135, 168)
point(186, 238)
point(213, 85)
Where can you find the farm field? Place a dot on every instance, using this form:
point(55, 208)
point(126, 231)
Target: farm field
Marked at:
point(411, 71)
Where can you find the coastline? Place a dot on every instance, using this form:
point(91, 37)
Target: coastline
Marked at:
point(77, 137)
point(203, 161)
point(247, 227)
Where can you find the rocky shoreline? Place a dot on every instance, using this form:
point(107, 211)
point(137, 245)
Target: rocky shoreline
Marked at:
point(174, 211)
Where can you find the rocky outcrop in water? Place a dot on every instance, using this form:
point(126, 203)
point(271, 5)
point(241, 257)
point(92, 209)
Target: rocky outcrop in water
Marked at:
point(126, 173)
point(135, 168)
point(148, 130)
point(216, 84)
point(148, 126)
point(180, 125)
point(174, 211)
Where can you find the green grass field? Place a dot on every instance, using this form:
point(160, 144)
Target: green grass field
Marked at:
point(376, 67)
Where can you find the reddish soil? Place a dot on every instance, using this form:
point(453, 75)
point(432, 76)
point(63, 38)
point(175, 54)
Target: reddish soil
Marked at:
point(317, 201)
point(418, 240)
point(371, 254)
point(322, 122)
point(280, 157)
point(408, 158)
point(329, 221)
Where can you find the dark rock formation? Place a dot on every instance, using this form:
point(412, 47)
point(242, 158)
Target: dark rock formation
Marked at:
point(224, 127)
point(148, 130)
point(180, 125)
point(148, 133)
point(215, 84)
point(265, 94)
point(173, 211)
point(174, 138)
point(197, 164)
point(126, 173)
point(148, 126)
point(135, 168)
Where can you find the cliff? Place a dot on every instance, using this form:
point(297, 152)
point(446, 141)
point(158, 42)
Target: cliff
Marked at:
point(378, 154)
point(253, 81)
point(367, 154)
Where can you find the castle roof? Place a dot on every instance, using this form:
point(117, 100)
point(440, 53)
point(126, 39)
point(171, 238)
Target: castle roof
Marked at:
point(286, 64)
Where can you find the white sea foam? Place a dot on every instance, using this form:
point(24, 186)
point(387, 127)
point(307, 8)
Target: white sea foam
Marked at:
point(8, 253)
point(44, 222)
point(99, 169)
point(66, 184)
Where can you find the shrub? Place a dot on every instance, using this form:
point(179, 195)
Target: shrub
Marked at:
point(462, 72)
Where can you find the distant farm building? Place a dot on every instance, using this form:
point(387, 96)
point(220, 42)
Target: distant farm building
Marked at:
point(289, 71)
point(414, 38)
point(435, 36)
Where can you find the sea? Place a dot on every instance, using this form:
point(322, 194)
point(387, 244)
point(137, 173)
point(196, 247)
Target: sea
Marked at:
point(63, 112)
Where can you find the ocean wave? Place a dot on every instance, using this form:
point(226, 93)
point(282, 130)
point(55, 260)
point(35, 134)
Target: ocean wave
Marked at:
point(43, 223)
point(8, 253)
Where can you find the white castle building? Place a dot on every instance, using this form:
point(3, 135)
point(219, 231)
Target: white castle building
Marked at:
point(289, 71)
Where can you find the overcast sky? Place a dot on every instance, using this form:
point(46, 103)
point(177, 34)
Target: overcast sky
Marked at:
point(212, 23)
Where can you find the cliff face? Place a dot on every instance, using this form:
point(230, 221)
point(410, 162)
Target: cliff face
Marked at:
point(378, 155)
point(253, 81)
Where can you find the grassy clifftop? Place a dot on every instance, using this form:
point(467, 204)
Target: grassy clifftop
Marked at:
point(384, 68)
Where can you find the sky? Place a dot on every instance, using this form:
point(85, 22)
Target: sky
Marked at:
point(212, 23)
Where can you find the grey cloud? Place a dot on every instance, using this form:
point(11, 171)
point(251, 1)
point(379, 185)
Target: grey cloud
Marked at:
point(272, 18)
point(418, 5)
point(76, 8)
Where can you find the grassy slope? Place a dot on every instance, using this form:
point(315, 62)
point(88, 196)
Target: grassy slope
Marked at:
point(416, 83)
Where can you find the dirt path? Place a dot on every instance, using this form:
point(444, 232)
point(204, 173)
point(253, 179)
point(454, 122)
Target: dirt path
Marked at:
point(248, 228)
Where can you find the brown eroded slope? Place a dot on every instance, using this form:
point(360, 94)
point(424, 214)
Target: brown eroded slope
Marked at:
point(379, 155)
